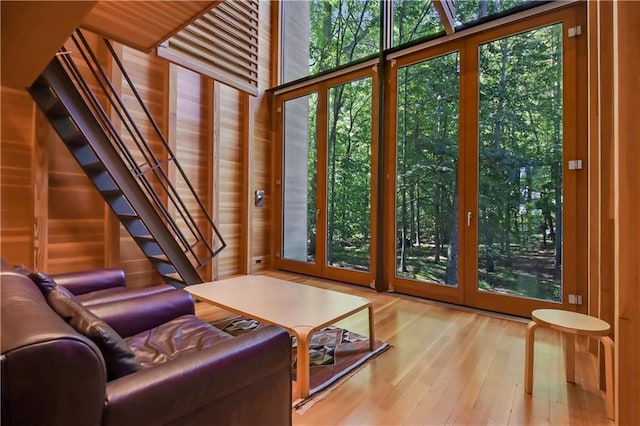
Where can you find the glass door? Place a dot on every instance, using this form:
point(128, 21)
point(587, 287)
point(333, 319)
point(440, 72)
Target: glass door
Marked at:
point(299, 177)
point(427, 153)
point(486, 208)
point(522, 191)
point(328, 174)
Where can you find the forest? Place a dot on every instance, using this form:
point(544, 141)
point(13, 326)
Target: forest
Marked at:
point(519, 145)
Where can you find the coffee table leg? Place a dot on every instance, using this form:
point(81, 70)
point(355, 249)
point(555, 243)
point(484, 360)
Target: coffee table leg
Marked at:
point(372, 335)
point(302, 368)
point(528, 356)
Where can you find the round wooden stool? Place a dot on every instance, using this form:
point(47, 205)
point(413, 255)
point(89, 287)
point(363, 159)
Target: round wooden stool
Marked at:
point(570, 324)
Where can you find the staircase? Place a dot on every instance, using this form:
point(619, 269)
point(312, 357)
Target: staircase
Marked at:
point(135, 183)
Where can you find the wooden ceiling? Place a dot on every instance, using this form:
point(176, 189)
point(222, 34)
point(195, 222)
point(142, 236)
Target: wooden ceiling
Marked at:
point(143, 24)
point(33, 31)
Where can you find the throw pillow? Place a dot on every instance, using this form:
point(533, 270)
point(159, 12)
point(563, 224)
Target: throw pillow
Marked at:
point(44, 282)
point(119, 359)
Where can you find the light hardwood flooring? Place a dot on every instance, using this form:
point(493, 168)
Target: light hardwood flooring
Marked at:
point(450, 365)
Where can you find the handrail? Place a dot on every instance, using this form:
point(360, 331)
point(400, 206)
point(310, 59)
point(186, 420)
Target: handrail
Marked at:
point(152, 173)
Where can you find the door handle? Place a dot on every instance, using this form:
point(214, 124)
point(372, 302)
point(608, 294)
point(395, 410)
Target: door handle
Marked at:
point(317, 213)
point(468, 218)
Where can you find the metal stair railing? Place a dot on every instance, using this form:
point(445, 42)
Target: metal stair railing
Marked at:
point(150, 168)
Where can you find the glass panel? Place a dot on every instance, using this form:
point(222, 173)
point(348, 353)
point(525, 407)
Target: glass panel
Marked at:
point(349, 175)
point(520, 165)
point(299, 179)
point(413, 19)
point(427, 171)
point(470, 11)
point(319, 35)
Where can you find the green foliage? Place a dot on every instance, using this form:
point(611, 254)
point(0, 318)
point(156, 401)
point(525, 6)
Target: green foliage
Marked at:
point(519, 146)
point(342, 31)
point(427, 161)
point(469, 11)
point(413, 19)
point(520, 149)
point(349, 169)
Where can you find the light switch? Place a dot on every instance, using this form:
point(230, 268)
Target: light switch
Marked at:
point(259, 197)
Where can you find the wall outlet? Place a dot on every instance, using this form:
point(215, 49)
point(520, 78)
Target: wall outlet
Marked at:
point(575, 299)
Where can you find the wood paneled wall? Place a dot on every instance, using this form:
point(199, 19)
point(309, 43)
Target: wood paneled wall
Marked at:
point(626, 191)
point(230, 124)
point(191, 140)
point(260, 148)
point(150, 75)
point(17, 187)
point(76, 211)
point(614, 190)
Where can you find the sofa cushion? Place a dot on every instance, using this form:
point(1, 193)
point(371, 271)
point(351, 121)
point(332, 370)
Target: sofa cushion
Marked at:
point(115, 294)
point(118, 358)
point(44, 282)
point(172, 339)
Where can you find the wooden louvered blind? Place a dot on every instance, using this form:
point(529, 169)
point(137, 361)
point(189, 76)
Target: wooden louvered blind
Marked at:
point(222, 44)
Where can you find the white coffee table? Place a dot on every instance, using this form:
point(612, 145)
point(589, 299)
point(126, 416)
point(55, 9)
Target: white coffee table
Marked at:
point(300, 309)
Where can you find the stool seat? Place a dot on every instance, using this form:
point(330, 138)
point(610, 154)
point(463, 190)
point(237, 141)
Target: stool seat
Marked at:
point(570, 324)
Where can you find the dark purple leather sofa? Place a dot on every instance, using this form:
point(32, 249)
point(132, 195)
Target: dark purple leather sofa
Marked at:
point(136, 361)
point(103, 285)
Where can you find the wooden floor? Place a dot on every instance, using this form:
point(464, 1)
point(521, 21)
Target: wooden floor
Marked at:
point(454, 366)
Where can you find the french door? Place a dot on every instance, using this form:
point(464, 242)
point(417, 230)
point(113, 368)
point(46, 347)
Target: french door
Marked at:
point(327, 168)
point(484, 149)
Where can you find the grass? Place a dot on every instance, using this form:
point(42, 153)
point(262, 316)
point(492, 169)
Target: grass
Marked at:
point(530, 274)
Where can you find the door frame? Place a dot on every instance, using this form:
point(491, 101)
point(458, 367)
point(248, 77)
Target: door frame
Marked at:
point(574, 182)
point(320, 268)
point(405, 285)
point(574, 271)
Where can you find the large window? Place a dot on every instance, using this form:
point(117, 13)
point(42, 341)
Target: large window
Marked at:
point(471, 11)
point(414, 19)
point(520, 165)
point(427, 176)
point(475, 200)
point(320, 35)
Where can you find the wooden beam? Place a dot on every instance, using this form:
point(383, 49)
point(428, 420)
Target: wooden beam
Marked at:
point(32, 33)
point(627, 204)
point(447, 13)
point(143, 24)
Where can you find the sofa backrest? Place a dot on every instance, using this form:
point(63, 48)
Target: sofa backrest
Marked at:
point(50, 374)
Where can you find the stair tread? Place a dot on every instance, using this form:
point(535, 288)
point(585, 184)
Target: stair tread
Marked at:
point(174, 276)
point(146, 237)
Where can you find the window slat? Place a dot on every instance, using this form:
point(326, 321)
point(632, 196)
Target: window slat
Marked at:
point(200, 46)
point(204, 30)
point(222, 44)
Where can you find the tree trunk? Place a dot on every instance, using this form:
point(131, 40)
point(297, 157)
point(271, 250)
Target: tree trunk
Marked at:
point(418, 230)
point(438, 226)
point(403, 180)
point(452, 249)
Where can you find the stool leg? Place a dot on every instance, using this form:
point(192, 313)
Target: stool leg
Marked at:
point(570, 356)
point(608, 368)
point(528, 357)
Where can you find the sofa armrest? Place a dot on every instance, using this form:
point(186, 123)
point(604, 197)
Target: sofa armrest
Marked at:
point(131, 316)
point(82, 282)
point(189, 387)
